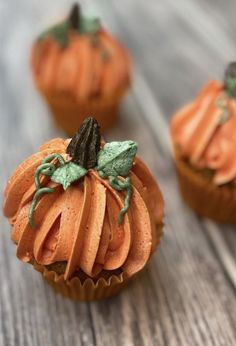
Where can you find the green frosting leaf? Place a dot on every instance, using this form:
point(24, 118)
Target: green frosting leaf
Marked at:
point(60, 31)
point(67, 174)
point(231, 87)
point(89, 25)
point(116, 158)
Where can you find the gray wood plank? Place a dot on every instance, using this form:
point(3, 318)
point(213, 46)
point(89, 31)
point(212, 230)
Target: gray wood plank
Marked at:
point(186, 296)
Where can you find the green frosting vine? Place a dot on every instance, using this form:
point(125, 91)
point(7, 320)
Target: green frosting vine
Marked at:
point(120, 186)
point(36, 197)
point(220, 103)
point(112, 162)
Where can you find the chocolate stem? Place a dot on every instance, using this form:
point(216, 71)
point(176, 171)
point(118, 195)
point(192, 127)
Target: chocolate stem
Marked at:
point(74, 17)
point(85, 145)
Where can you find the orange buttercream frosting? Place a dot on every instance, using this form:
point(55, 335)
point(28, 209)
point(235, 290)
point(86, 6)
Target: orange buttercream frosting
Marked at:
point(204, 131)
point(84, 68)
point(80, 225)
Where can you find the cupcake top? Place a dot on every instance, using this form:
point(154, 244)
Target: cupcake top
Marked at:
point(79, 57)
point(204, 130)
point(91, 204)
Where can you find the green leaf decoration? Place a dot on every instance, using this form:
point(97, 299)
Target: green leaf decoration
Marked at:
point(89, 25)
point(230, 80)
point(116, 158)
point(59, 32)
point(67, 174)
point(231, 87)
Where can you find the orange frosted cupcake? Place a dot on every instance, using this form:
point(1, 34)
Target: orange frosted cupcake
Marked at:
point(203, 134)
point(80, 69)
point(86, 214)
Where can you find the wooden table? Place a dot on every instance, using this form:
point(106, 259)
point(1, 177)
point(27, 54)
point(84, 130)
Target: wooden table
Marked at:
point(186, 296)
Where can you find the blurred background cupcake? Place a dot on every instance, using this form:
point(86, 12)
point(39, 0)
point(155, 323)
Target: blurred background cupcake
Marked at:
point(80, 69)
point(203, 134)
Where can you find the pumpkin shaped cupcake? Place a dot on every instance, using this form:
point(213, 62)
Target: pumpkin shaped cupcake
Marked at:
point(86, 214)
point(80, 69)
point(203, 134)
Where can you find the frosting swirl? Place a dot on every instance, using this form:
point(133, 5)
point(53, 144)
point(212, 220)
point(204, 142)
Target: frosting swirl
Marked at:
point(80, 225)
point(203, 132)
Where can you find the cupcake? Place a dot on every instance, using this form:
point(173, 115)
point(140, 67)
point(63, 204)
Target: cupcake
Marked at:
point(80, 69)
point(85, 213)
point(204, 141)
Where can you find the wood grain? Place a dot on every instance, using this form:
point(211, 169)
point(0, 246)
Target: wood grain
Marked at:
point(186, 296)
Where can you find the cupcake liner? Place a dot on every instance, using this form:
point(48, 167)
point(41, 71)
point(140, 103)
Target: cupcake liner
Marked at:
point(86, 291)
point(69, 113)
point(78, 288)
point(204, 197)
